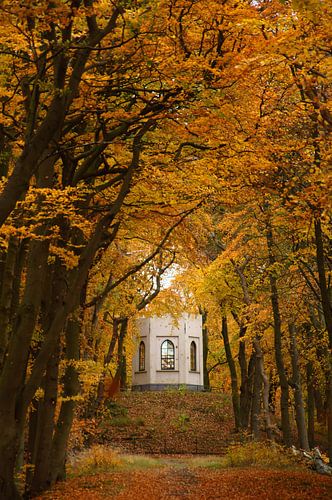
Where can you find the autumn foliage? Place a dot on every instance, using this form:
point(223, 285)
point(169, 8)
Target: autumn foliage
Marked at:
point(139, 138)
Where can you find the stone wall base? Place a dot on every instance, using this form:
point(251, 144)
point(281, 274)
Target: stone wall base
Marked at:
point(163, 387)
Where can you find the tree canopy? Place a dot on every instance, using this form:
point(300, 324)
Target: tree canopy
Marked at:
point(140, 136)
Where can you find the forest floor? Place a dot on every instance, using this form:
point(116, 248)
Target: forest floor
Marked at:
point(185, 478)
point(162, 422)
point(178, 445)
point(166, 422)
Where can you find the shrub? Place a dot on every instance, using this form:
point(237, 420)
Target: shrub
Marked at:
point(94, 460)
point(259, 454)
point(182, 422)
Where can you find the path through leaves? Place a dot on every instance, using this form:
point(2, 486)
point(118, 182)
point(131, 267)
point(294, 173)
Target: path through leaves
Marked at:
point(176, 479)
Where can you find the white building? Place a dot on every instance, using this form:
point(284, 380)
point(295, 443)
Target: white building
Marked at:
point(169, 354)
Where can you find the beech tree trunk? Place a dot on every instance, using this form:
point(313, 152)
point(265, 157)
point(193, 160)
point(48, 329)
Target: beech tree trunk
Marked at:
point(266, 387)
point(6, 295)
point(310, 404)
point(70, 392)
point(14, 370)
point(15, 397)
point(205, 335)
point(327, 310)
point(256, 401)
point(245, 392)
point(45, 429)
point(285, 422)
point(107, 359)
point(272, 393)
point(122, 367)
point(17, 283)
point(298, 397)
point(247, 372)
point(233, 374)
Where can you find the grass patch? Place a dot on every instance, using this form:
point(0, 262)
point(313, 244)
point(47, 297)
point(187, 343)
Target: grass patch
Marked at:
point(120, 421)
point(210, 462)
point(102, 459)
point(252, 454)
point(95, 460)
point(140, 462)
point(259, 454)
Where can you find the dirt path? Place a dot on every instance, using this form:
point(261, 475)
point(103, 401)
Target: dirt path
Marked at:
point(176, 480)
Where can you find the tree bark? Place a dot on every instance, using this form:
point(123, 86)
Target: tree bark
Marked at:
point(247, 379)
point(327, 310)
point(70, 392)
point(298, 397)
point(285, 422)
point(122, 366)
point(45, 430)
point(6, 296)
point(266, 387)
point(233, 374)
point(245, 393)
point(323, 285)
point(107, 359)
point(272, 392)
point(310, 404)
point(14, 370)
point(205, 335)
point(17, 283)
point(256, 401)
point(320, 405)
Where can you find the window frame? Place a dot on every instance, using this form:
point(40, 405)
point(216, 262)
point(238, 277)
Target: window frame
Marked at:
point(141, 356)
point(193, 356)
point(167, 361)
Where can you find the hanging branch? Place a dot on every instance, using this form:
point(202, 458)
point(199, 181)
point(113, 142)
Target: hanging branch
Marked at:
point(110, 286)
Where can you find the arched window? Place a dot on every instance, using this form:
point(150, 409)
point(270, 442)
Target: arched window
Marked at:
point(141, 357)
point(193, 357)
point(167, 355)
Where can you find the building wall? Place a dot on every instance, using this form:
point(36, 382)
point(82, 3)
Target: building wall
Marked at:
point(154, 331)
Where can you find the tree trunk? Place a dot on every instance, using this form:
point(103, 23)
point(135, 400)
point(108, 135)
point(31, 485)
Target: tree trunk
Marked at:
point(256, 401)
point(310, 404)
point(70, 391)
point(121, 353)
point(298, 397)
point(327, 310)
point(323, 285)
point(6, 295)
point(272, 392)
point(245, 393)
point(32, 441)
point(9, 445)
point(266, 387)
point(285, 422)
point(320, 405)
point(17, 283)
point(107, 359)
point(47, 408)
point(17, 391)
point(205, 335)
point(329, 414)
point(14, 370)
point(233, 374)
point(2, 265)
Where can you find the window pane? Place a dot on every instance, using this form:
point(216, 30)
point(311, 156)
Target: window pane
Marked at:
point(167, 355)
point(193, 363)
point(141, 357)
